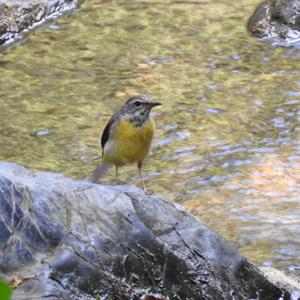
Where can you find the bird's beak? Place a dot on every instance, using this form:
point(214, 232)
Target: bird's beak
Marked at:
point(154, 103)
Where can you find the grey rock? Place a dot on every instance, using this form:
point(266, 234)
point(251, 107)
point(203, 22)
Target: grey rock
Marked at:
point(19, 15)
point(72, 239)
point(277, 19)
point(288, 283)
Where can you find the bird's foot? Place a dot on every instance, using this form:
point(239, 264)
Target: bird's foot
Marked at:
point(149, 193)
point(119, 182)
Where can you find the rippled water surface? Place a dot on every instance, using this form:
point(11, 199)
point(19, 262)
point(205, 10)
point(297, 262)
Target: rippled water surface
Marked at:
point(227, 144)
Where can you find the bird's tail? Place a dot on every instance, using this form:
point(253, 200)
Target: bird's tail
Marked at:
point(99, 172)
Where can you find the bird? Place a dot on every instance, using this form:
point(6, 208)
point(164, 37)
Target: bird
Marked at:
point(127, 137)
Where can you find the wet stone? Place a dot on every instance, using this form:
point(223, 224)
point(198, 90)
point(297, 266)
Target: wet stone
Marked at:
point(77, 240)
point(277, 19)
point(19, 15)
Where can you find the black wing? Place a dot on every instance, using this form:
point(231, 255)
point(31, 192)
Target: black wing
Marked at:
point(105, 134)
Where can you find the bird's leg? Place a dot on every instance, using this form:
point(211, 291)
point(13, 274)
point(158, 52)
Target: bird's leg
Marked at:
point(140, 167)
point(118, 180)
point(117, 175)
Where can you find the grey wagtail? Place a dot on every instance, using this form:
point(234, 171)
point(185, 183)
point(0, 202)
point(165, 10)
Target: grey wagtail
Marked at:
point(127, 136)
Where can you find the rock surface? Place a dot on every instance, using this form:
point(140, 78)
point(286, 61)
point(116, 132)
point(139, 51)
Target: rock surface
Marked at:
point(18, 15)
point(277, 19)
point(285, 282)
point(70, 239)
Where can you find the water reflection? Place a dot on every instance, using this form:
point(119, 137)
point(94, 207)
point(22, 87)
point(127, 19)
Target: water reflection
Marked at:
point(227, 144)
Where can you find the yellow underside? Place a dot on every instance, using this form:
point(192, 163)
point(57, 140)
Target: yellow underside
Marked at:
point(127, 143)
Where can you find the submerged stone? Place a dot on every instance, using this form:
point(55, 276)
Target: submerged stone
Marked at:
point(72, 239)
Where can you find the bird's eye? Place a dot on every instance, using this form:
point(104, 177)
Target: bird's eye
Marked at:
point(137, 103)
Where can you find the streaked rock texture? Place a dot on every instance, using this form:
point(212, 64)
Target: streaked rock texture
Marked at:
point(18, 15)
point(71, 239)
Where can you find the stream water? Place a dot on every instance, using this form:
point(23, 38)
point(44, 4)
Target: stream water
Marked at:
point(227, 144)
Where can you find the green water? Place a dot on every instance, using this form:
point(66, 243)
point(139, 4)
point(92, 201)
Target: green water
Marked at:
point(227, 144)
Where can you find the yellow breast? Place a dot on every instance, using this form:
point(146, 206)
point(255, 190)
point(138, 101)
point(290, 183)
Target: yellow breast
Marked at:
point(128, 143)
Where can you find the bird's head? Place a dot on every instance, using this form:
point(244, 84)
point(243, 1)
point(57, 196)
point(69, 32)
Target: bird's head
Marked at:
point(137, 108)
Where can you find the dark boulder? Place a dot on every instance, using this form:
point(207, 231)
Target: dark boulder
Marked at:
point(18, 15)
point(72, 239)
point(277, 19)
